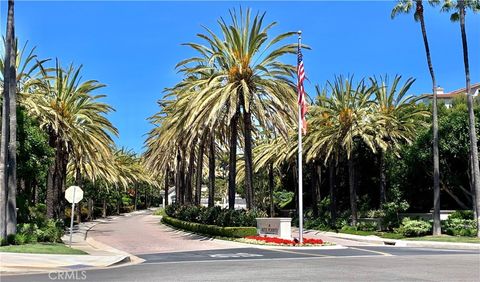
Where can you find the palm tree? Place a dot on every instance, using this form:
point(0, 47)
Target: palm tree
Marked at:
point(244, 83)
point(459, 7)
point(8, 181)
point(406, 6)
point(398, 120)
point(74, 120)
point(339, 123)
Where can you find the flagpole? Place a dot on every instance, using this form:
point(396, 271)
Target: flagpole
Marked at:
point(300, 162)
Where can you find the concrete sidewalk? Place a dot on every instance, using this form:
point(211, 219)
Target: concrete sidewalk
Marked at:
point(98, 254)
point(351, 240)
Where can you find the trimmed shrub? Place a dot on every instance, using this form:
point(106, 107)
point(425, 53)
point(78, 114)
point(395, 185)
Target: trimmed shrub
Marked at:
point(460, 227)
point(212, 230)
point(414, 228)
point(214, 215)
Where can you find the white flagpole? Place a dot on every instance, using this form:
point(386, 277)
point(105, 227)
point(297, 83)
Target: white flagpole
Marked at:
point(300, 162)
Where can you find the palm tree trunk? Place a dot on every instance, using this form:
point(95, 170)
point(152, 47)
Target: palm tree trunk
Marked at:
point(211, 172)
point(12, 147)
point(136, 196)
point(270, 188)
point(471, 116)
point(353, 193)
point(178, 178)
point(333, 198)
point(167, 174)
point(383, 179)
point(189, 184)
point(78, 180)
point(90, 209)
point(104, 208)
point(198, 177)
point(232, 166)
point(247, 119)
point(317, 182)
point(436, 164)
point(7, 191)
point(182, 176)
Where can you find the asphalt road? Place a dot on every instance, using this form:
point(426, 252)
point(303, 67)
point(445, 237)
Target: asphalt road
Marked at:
point(372, 263)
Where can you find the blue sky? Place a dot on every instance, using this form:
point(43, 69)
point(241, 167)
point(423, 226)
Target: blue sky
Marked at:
point(133, 46)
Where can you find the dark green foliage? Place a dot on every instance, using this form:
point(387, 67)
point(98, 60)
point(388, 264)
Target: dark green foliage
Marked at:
point(212, 230)
point(214, 215)
point(414, 227)
point(413, 174)
point(391, 210)
point(322, 222)
point(39, 228)
point(461, 214)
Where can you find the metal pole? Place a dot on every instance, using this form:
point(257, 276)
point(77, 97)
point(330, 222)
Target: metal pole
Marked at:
point(300, 162)
point(71, 214)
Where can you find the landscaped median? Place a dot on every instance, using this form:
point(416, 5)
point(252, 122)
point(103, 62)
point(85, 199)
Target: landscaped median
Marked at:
point(211, 230)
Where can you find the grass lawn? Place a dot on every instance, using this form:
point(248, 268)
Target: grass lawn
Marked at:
point(160, 211)
point(42, 248)
point(447, 238)
point(396, 236)
point(386, 235)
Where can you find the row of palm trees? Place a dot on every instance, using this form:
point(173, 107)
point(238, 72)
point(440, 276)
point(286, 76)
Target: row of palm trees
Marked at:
point(458, 9)
point(75, 121)
point(233, 87)
point(238, 92)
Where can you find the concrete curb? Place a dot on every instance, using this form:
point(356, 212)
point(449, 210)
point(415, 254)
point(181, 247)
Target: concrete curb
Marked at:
point(403, 243)
point(109, 257)
point(128, 259)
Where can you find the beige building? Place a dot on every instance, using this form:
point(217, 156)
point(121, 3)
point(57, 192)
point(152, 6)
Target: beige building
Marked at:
point(448, 97)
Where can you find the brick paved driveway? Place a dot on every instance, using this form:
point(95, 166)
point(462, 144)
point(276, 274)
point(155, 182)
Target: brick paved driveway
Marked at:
point(143, 234)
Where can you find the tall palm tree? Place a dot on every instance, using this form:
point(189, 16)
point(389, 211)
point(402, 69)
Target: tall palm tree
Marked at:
point(397, 118)
point(8, 181)
point(246, 80)
point(341, 121)
point(73, 119)
point(459, 9)
point(406, 6)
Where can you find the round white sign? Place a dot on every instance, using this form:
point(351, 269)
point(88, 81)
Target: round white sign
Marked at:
point(71, 191)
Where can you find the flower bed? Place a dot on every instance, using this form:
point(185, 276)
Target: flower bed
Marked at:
point(264, 240)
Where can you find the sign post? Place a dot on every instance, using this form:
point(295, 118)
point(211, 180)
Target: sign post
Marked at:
point(73, 194)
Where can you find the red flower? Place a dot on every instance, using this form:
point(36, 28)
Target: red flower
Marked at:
point(280, 241)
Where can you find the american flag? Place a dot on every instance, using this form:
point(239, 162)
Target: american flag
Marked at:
point(301, 90)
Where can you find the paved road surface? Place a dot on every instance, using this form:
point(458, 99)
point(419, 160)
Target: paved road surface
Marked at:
point(173, 256)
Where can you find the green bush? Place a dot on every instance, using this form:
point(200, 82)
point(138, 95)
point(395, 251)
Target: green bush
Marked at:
point(212, 230)
point(53, 232)
point(367, 226)
point(460, 227)
point(414, 227)
point(20, 239)
point(38, 215)
point(214, 215)
point(392, 211)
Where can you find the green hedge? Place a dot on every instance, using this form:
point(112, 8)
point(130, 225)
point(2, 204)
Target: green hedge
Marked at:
point(215, 215)
point(212, 230)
